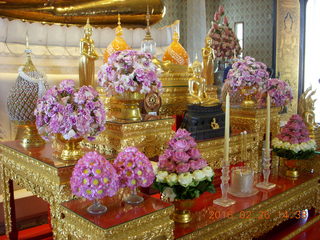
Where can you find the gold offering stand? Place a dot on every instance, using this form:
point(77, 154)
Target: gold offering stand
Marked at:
point(149, 136)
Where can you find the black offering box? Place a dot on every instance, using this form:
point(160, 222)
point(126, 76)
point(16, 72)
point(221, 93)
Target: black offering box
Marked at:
point(204, 122)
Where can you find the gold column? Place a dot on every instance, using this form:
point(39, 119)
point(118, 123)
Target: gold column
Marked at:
point(288, 37)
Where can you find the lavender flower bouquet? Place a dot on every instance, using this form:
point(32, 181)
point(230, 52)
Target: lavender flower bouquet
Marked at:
point(128, 71)
point(73, 114)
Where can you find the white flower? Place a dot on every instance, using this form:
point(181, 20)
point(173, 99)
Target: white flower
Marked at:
point(161, 176)
point(69, 135)
point(172, 179)
point(199, 175)
point(169, 194)
point(185, 179)
point(208, 172)
point(154, 167)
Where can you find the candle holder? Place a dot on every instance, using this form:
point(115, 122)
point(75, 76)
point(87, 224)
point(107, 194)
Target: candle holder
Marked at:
point(242, 179)
point(266, 172)
point(224, 201)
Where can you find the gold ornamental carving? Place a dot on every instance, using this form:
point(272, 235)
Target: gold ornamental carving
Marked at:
point(43, 180)
point(100, 12)
point(157, 225)
point(214, 124)
point(304, 196)
point(150, 137)
point(88, 56)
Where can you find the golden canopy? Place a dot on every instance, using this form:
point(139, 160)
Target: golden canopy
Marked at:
point(100, 12)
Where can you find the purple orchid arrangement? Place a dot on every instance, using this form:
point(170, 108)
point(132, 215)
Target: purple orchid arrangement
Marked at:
point(248, 73)
point(294, 142)
point(94, 177)
point(71, 113)
point(280, 92)
point(129, 70)
point(182, 170)
point(133, 168)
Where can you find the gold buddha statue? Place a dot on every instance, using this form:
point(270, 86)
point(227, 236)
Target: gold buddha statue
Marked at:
point(208, 61)
point(175, 53)
point(117, 44)
point(88, 56)
point(198, 87)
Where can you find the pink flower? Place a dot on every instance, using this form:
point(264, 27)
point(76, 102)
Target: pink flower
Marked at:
point(216, 17)
point(199, 164)
point(180, 157)
point(183, 167)
point(225, 20)
point(181, 145)
point(194, 153)
point(221, 10)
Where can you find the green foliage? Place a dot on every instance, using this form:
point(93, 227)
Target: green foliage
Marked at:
point(190, 192)
point(289, 154)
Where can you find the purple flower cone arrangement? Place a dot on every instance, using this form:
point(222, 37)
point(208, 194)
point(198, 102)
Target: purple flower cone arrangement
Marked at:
point(294, 142)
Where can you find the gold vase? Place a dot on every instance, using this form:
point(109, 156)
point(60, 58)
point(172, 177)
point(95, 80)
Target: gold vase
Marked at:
point(28, 135)
point(291, 168)
point(182, 213)
point(126, 106)
point(71, 149)
point(248, 95)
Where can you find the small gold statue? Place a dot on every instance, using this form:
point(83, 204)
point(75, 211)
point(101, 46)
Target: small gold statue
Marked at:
point(306, 110)
point(198, 87)
point(208, 61)
point(88, 56)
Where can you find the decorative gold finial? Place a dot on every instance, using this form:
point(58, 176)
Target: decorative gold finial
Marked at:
point(175, 36)
point(28, 66)
point(148, 33)
point(119, 28)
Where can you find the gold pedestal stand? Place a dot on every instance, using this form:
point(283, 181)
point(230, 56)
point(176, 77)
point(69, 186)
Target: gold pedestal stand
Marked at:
point(151, 137)
point(28, 135)
point(182, 216)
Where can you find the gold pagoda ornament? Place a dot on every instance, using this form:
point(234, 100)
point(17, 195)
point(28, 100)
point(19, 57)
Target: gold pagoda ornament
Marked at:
point(117, 44)
point(88, 56)
point(175, 53)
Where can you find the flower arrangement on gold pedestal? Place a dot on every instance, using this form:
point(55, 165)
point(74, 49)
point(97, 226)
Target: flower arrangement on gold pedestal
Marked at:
point(294, 143)
point(249, 77)
point(134, 170)
point(280, 93)
point(127, 76)
point(224, 41)
point(183, 174)
point(71, 115)
point(93, 178)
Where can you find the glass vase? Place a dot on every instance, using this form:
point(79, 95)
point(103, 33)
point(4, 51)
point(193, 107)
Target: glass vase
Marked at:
point(97, 208)
point(134, 198)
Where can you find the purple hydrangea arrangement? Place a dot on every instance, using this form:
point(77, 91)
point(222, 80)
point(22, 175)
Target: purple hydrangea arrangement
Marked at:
point(71, 113)
point(94, 177)
point(248, 73)
point(280, 92)
point(294, 142)
point(128, 70)
point(182, 169)
point(134, 168)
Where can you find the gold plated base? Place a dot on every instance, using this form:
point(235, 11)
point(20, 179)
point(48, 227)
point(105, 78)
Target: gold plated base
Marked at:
point(266, 186)
point(28, 135)
point(292, 173)
point(182, 216)
point(224, 202)
point(71, 149)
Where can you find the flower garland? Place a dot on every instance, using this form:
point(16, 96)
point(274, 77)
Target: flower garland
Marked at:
point(182, 170)
point(129, 70)
point(94, 177)
point(294, 142)
point(71, 113)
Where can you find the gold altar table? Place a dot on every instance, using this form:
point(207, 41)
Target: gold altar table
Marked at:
point(37, 171)
point(148, 220)
point(252, 216)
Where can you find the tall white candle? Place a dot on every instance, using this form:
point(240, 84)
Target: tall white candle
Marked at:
point(227, 129)
point(267, 153)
